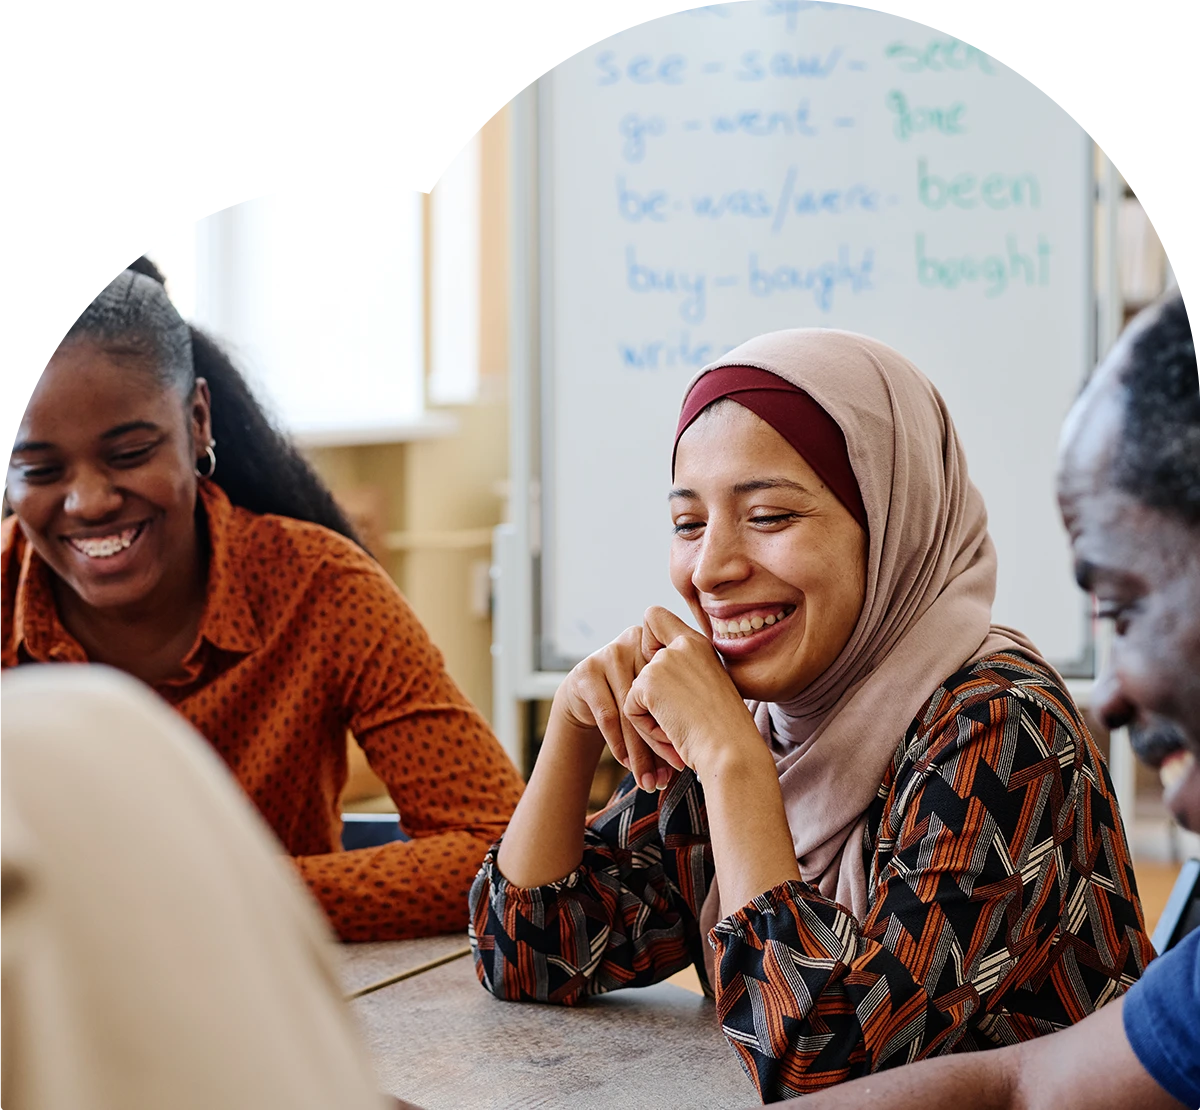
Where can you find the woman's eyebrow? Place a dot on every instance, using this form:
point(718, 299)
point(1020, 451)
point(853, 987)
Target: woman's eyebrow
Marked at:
point(26, 445)
point(757, 484)
point(754, 485)
point(130, 426)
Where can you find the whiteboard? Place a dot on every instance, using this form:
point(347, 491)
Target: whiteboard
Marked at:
point(742, 168)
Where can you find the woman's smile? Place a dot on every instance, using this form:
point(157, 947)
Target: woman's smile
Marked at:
point(107, 551)
point(744, 629)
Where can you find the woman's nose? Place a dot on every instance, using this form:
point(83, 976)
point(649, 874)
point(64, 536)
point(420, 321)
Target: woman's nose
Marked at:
point(721, 559)
point(91, 495)
point(1110, 702)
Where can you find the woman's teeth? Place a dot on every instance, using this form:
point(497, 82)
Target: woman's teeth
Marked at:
point(738, 627)
point(104, 547)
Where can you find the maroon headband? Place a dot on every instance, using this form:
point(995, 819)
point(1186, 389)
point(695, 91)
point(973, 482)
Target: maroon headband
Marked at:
point(810, 430)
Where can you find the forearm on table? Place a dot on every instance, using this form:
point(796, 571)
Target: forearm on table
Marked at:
point(1089, 1066)
point(751, 843)
point(544, 839)
point(980, 1080)
point(400, 890)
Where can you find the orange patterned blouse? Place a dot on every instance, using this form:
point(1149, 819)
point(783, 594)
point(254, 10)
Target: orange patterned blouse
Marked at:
point(303, 637)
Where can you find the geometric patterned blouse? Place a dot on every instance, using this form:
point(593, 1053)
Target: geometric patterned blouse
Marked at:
point(1002, 901)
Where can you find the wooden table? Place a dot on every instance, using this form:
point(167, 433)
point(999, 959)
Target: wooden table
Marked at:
point(364, 968)
point(441, 1041)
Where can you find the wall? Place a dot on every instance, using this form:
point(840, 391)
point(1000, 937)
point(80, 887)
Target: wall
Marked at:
point(437, 499)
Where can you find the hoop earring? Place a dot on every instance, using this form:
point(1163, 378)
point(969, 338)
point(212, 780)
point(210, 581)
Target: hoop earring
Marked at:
point(212, 461)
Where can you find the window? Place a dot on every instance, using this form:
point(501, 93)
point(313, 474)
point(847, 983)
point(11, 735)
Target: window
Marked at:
point(319, 298)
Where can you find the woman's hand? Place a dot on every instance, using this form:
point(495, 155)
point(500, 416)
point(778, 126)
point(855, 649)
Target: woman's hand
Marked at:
point(591, 700)
point(682, 702)
point(544, 841)
point(686, 707)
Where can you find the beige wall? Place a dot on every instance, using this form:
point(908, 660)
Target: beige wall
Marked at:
point(435, 493)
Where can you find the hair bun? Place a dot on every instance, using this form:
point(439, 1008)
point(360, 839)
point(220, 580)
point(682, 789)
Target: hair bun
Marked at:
point(144, 266)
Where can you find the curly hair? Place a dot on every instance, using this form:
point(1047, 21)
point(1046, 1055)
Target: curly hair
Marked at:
point(1158, 457)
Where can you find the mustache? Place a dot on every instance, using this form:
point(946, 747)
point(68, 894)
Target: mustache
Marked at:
point(1154, 741)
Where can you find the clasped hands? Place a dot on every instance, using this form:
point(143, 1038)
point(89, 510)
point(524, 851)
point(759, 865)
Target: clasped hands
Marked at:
point(662, 700)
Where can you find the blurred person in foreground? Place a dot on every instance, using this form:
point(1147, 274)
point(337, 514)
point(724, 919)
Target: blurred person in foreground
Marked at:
point(158, 950)
point(1129, 489)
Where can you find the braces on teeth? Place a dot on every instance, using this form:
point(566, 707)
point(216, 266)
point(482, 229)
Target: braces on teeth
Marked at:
point(106, 547)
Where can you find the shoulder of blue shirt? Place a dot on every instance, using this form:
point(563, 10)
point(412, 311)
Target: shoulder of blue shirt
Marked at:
point(1161, 1015)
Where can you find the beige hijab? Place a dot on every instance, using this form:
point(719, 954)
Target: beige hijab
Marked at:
point(931, 578)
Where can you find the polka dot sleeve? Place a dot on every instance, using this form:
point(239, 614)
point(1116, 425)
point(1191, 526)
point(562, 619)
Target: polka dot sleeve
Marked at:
point(451, 781)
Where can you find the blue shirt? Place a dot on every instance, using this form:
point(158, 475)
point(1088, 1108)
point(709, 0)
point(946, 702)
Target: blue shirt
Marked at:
point(1162, 1019)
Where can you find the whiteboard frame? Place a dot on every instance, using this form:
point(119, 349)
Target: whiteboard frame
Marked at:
point(548, 659)
point(516, 546)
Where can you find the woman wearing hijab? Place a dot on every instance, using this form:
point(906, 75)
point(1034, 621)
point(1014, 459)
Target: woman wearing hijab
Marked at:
point(874, 820)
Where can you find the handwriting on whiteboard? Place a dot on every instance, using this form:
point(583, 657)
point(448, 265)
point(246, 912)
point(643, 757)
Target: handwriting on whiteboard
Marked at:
point(790, 197)
point(822, 279)
point(799, 166)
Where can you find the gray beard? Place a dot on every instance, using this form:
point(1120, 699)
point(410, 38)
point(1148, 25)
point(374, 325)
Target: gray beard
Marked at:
point(1154, 741)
